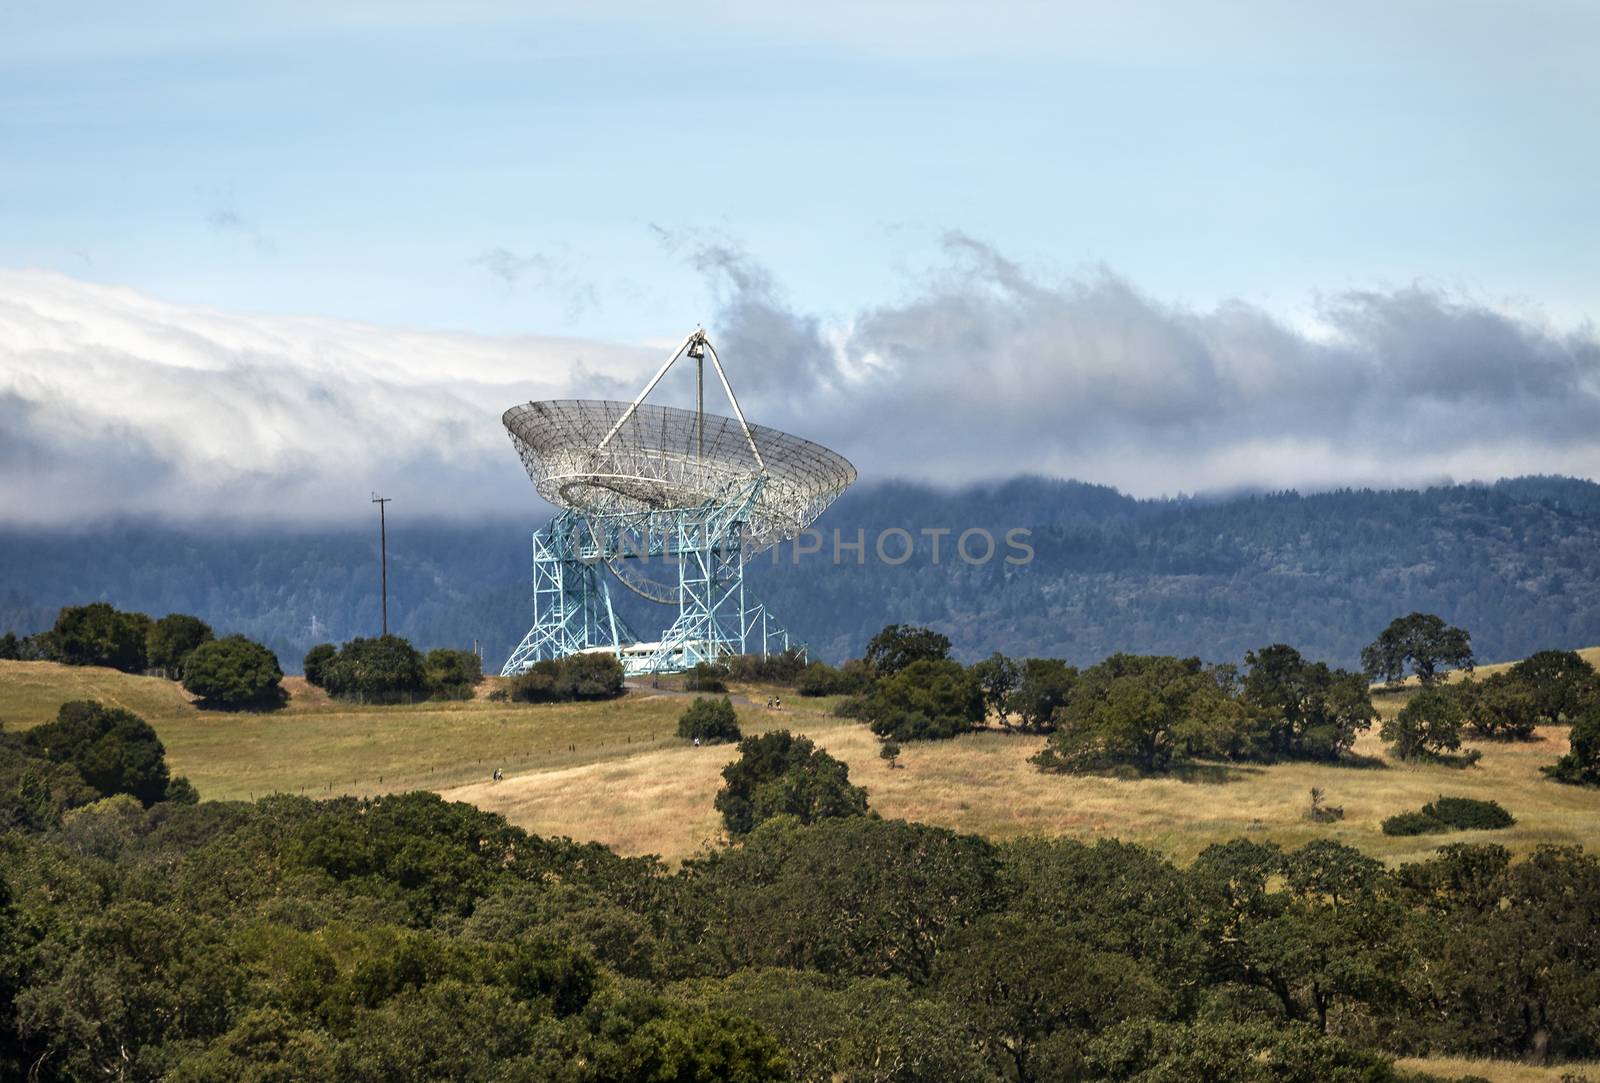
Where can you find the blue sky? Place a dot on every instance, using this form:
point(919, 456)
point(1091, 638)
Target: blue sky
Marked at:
point(1165, 246)
point(370, 165)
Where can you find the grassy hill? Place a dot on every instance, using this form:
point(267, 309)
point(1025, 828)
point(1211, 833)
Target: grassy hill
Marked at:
point(615, 773)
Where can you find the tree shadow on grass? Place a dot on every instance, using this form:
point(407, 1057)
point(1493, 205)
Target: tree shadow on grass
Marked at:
point(1198, 772)
point(1210, 772)
point(1358, 762)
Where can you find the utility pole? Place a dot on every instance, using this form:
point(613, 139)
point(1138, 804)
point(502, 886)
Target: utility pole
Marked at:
point(383, 556)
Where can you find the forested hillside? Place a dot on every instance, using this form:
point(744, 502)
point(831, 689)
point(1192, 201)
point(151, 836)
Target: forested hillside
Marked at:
point(1513, 562)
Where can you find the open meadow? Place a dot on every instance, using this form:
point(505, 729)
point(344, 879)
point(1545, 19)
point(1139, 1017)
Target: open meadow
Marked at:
point(614, 772)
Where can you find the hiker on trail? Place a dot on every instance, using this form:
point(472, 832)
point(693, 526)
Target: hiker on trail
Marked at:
point(498, 775)
point(777, 701)
point(697, 742)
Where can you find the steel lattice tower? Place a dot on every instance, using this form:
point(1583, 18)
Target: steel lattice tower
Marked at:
point(673, 502)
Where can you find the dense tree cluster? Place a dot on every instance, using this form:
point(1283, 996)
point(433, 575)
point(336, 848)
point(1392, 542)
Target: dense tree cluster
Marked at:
point(388, 669)
point(99, 634)
point(228, 673)
point(783, 667)
point(384, 669)
point(88, 751)
point(1141, 711)
point(28, 648)
point(1150, 712)
point(822, 679)
point(406, 938)
point(1546, 689)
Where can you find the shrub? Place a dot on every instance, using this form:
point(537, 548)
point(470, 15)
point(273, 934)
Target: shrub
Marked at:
point(1413, 823)
point(780, 774)
point(1581, 764)
point(170, 639)
point(592, 676)
point(1469, 814)
point(537, 683)
point(705, 677)
point(782, 668)
point(821, 679)
point(709, 720)
point(1450, 814)
point(559, 680)
point(234, 672)
point(1320, 811)
point(452, 674)
point(316, 663)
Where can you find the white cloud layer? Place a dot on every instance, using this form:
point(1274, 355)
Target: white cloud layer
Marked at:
point(112, 402)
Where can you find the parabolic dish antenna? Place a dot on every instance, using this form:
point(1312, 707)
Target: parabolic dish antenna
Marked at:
point(644, 486)
point(662, 457)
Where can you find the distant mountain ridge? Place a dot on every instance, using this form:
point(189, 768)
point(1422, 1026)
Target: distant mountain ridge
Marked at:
point(1515, 562)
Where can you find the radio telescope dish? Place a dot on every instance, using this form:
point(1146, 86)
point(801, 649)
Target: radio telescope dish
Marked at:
point(638, 481)
point(661, 457)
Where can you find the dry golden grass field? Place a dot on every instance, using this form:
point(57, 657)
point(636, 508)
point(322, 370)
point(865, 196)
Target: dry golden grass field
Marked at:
point(1503, 1071)
point(615, 773)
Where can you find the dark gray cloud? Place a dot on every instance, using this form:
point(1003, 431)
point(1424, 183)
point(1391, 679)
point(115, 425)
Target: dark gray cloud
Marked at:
point(993, 370)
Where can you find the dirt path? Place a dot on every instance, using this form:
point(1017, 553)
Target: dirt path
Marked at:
point(644, 688)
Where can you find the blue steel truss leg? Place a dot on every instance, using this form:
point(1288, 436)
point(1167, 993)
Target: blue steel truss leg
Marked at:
point(716, 616)
point(572, 609)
